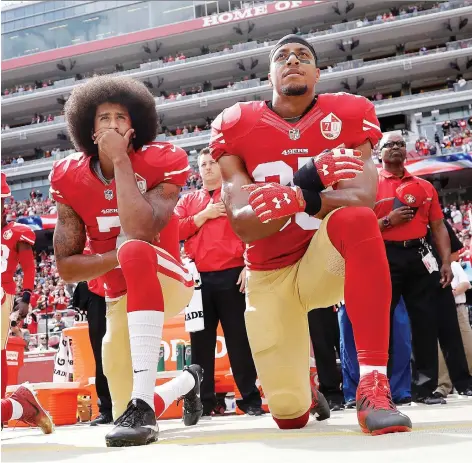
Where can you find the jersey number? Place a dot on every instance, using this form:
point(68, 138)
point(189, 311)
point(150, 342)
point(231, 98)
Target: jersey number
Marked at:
point(285, 173)
point(105, 224)
point(5, 255)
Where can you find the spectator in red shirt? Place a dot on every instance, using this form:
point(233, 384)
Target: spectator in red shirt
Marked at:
point(218, 255)
point(61, 301)
point(406, 206)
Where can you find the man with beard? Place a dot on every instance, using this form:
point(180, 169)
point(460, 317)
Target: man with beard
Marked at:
point(405, 207)
point(311, 244)
point(120, 193)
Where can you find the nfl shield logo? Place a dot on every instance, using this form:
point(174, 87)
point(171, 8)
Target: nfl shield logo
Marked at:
point(108, 194)
point(294, 134)
point(331, 126)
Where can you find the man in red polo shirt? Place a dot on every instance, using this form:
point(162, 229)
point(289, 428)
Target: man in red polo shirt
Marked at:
point(218, 255)
point(405, 207)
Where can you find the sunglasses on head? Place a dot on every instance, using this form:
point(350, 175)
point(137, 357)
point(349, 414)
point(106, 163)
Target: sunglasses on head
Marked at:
point(391, 144)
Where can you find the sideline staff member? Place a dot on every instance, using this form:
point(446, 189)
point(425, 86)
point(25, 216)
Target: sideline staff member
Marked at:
point(90, 297)
point(405, 205)
point(218, 256)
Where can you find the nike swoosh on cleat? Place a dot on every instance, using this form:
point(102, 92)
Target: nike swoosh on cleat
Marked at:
point(139, 371)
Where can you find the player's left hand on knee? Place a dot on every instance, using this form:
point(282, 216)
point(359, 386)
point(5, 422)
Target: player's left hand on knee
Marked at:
point(271, 201)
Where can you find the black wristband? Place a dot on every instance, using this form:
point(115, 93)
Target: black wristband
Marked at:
point(26, 296)
point(307, 178)
point(313, 201)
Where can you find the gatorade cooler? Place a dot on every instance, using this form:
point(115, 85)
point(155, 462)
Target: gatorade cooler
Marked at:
point(15, 358)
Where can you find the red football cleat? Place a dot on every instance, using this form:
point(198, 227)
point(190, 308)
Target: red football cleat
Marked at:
point(376, 411)
point(33, 412)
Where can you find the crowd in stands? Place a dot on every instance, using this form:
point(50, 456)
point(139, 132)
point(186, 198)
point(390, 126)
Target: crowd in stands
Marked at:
point(39, 154)
point(389, 15)
point(451, 135)
point(50, 299)
point(22, 88)
point(36, 205)
point(460, 217)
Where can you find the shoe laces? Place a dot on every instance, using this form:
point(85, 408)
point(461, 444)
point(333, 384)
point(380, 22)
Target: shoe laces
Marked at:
point(190, 404)
point(131, 416)
point(375, 392)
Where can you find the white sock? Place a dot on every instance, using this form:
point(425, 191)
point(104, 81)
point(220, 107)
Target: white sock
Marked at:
point(145, 333)
point(175, 388)
point(17, 410)
point(366, 369)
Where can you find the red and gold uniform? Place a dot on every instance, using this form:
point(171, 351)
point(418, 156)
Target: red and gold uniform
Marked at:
point(12, 234)
point(298, 268)
point(273, 150)
point(73, 183)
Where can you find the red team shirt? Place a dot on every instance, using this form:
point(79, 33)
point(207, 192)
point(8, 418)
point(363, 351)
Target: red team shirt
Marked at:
point(73, 183)
point(12, 234)
point(273, 149)
point(417, 227)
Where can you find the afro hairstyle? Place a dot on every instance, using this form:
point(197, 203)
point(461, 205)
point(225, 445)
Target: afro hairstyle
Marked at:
point(84, 100)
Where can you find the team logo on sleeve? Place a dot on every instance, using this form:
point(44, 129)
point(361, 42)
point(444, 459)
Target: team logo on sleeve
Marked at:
point(108, 194)
point(141, 182)
point(331, 126)
point(7, 235)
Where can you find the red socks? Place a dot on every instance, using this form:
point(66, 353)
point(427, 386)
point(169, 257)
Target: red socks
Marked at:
point(159, 405)
point(4, 372)
point(293, 423)
point(355, 233)
point(7, 410)
point(138, 261)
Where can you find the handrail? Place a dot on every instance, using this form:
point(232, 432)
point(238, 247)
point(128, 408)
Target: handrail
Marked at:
point(253, 83)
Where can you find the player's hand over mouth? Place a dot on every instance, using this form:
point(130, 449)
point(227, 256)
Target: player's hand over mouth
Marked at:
point(112, 144)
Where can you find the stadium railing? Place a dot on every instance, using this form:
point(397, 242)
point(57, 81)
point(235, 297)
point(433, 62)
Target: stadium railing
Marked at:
point(254, 83)
point(342, 27)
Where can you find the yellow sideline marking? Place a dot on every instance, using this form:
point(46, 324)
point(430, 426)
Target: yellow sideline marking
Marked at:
point(226, 438)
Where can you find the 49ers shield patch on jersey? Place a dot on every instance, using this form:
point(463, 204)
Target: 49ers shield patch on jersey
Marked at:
point(331, 126)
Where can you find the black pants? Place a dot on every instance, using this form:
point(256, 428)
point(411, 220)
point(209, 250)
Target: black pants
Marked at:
point(96, 315)
point(95, 307)
point(324, 333)
point(222, 302)
point(429, 318)
point(450, 340)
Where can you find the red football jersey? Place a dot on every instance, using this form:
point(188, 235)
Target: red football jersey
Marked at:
point(12, 234)
point(73, 183)
point(273, 150)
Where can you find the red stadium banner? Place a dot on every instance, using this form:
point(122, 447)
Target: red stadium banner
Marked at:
point(151, 34)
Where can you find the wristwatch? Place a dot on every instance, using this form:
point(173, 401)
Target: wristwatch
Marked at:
point(386, 222)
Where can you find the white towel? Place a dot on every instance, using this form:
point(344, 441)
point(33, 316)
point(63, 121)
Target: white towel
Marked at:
point(194, 320)
point(63, 363)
